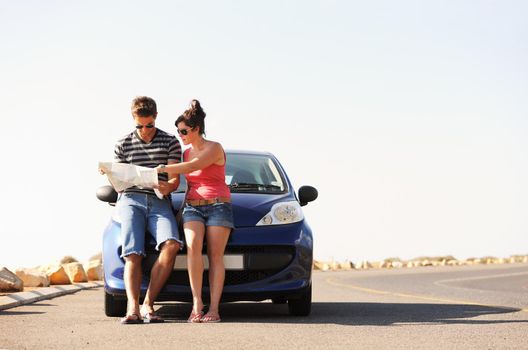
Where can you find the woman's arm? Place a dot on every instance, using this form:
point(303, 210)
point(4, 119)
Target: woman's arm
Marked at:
point(172, 184)
point(207, 157)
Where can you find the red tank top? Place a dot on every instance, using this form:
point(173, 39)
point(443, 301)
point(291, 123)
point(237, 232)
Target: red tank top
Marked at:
point(206, 183)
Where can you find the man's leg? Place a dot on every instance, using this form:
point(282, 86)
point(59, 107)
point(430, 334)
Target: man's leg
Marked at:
point(133, 282)
point(160, 272)
point(163, 227)
point(131, 210)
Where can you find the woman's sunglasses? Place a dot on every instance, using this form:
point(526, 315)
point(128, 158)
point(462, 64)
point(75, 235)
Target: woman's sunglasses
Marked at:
point(150, 126)
point(183, 132)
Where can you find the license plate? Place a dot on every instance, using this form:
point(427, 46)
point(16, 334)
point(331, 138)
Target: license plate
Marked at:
point(231, 262)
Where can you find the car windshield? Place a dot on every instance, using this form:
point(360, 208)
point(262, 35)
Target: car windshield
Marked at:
point(250, 173)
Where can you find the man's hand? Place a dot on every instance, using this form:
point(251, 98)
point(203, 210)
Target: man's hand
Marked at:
point(165, 188)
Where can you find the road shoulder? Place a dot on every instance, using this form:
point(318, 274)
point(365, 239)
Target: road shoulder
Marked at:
point(9, 301)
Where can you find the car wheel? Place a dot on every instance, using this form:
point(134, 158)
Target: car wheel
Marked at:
point(115, 307)
point(303, 305)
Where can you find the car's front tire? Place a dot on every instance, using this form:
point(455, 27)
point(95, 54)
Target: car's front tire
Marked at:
point(115, 307)
point(301, 306)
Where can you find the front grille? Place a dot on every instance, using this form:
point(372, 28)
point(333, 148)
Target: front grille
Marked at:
point(232, 277)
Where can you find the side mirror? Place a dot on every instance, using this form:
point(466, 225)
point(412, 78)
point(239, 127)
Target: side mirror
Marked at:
point(106, 194)
point(307, 194)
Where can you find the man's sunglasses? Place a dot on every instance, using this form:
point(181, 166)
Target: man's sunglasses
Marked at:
point(150, 126)
point(183, 132)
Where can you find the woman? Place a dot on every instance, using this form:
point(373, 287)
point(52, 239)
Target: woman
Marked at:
point(207, 212)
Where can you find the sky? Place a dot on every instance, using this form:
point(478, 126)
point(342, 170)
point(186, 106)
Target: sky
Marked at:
point(409, 117)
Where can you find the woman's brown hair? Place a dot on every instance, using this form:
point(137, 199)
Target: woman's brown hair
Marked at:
point(193, 117)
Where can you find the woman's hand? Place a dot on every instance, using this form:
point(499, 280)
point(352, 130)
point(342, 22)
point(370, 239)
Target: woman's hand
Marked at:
point(101, 171)
point(161, 168)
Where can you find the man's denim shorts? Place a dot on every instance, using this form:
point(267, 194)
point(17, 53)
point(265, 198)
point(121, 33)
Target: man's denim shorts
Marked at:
point(217, 214)
point(139, 212)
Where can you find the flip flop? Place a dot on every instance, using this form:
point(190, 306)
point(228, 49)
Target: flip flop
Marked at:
point(132, 319)
point(195, 317)
point(151, 317)
point(210, 319)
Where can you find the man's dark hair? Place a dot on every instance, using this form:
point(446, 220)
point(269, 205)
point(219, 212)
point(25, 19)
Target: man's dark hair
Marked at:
point(143, 106)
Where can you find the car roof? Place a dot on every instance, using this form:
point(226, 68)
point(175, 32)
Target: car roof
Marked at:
point(239, 151)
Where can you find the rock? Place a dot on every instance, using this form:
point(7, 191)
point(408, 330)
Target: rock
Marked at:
point(68, 259)
point(9, 282)
point(33, 278)
point(364, 265)
point(376, 264)
point(75, 272)
point(453, 262)
point(55, 273)
point(397, 264)
point(98, 256)
point(426, 262)
point(488, 260)
point(518, 259)
point(320, 265)
point(347, 265)
point(94, 270)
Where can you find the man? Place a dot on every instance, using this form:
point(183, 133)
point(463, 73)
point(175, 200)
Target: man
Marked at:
point(140, 209)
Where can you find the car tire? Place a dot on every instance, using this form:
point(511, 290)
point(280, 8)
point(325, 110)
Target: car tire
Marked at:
point(301, 306)
point(115, 307)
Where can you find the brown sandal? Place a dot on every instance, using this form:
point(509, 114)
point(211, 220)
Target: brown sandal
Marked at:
point(132, 319)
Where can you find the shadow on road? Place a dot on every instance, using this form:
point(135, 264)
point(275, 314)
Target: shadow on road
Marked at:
point(352, 314)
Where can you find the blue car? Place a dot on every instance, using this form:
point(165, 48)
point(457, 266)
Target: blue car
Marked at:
point(268, 256)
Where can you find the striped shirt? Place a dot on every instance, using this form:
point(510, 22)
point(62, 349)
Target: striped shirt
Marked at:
point(162, 149)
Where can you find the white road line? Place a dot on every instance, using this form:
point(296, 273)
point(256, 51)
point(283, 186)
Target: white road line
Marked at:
point(445, 283)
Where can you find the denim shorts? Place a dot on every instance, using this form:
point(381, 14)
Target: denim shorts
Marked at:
point(139, 212)
point(217, 214)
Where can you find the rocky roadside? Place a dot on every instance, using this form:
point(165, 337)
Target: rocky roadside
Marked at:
point(67, 271)
point(397, 263)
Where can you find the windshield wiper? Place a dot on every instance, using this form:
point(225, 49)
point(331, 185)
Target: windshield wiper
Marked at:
point(252, 186)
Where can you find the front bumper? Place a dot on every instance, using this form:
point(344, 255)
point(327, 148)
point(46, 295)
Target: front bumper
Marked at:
point(277, 262)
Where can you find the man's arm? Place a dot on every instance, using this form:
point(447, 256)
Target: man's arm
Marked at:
point(175, 155)
point(119, 157)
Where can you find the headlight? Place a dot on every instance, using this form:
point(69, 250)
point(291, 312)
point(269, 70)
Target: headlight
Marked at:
point(282, 213)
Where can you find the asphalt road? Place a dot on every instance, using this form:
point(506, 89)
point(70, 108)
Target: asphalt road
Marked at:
point(470, 307)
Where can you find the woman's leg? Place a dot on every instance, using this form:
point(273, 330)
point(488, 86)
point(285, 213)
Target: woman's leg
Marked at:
point(217, 237)
point(194, 236)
